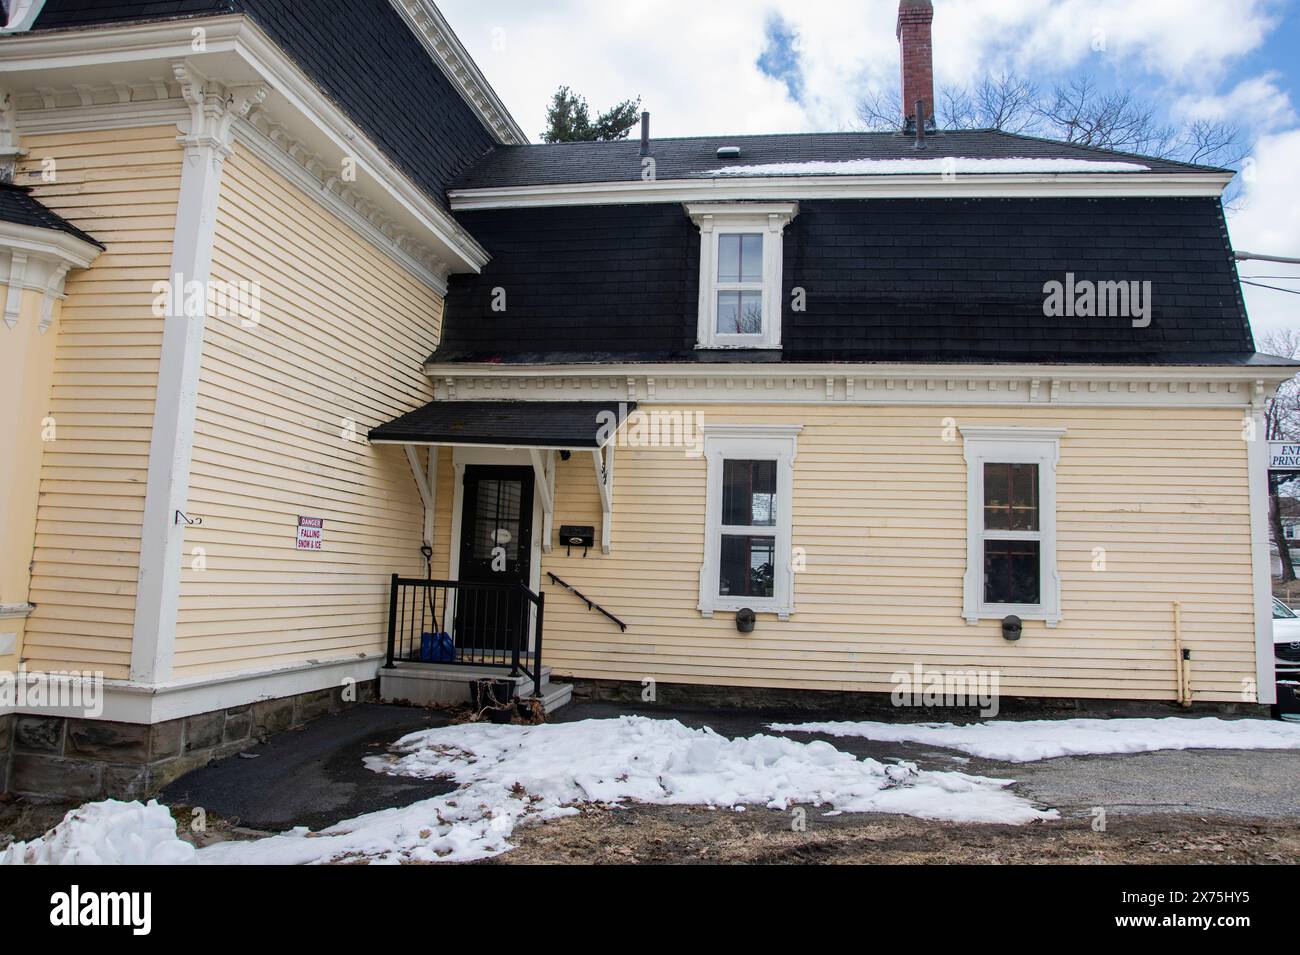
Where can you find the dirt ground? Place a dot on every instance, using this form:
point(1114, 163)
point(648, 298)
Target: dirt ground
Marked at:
point(693, 834)
point(689, 834)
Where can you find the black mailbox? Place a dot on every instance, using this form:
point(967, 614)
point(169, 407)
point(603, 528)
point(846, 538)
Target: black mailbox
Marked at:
point(577, 535)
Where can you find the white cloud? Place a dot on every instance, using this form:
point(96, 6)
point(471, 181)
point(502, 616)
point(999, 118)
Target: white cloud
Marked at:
point(1258, 102)
point(694, 63)
point(1269, 222)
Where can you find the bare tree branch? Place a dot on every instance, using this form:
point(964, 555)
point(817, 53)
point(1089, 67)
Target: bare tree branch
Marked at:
point(1078, 111)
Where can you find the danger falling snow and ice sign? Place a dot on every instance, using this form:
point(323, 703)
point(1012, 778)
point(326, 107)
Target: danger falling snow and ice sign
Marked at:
point(1283, 456)
point(311, 532)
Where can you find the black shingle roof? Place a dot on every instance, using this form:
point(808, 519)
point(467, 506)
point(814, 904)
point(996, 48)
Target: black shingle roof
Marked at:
point(916, 280)
point(693, 157)
point(360, 53)
point(524, 424)
point(18, 205)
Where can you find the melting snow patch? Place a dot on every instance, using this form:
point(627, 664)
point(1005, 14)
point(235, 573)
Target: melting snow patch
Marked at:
point(106, 833)
point(1029, 740)
point(948, 165)
point(510, 775)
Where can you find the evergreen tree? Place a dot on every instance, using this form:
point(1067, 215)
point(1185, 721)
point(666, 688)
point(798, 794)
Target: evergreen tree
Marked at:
point(568, 119)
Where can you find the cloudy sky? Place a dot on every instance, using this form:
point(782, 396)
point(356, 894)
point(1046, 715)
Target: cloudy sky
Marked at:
point(749, 66)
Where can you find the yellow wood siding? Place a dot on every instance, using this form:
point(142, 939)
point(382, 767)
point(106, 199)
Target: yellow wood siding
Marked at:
point(343, 332)
point(121, 186)
point(880, 509)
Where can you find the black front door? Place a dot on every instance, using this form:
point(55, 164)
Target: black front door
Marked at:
point(496, 545)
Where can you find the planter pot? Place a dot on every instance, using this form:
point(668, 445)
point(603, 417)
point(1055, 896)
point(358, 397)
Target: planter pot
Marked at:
point(501, 715)
point(491, 693)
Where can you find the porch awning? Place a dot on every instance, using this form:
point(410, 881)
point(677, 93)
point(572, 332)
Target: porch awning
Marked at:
point(559, 425)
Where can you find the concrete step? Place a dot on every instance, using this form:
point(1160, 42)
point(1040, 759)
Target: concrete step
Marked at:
point(423, 683)
point(554, 695)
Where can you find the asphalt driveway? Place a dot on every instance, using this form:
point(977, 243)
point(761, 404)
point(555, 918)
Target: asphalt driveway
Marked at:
point(315, 776)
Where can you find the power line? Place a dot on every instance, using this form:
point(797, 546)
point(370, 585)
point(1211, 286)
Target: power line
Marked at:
point(1275, 288)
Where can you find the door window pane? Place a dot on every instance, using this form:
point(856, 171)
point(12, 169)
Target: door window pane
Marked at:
point(747, 566)
point(1011, 572)
point(1011, 497)
point(740, 258)
point(497, 506)
point(749, 493)
point(740, 313)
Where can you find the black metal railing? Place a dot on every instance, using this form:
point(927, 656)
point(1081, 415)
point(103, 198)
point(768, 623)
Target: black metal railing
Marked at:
point(591, 604)
point(466, 624)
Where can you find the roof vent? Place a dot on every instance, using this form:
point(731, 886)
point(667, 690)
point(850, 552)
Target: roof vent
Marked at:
point(728, 152)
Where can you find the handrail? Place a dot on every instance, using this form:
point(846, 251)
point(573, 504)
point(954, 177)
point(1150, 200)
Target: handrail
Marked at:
point(591, 604)
point(490, 616)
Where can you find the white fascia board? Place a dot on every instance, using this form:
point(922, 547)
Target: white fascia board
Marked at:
point(912, 186)
point(876, 370)
point(48, 243)
point(235, 51)
point(430, 27)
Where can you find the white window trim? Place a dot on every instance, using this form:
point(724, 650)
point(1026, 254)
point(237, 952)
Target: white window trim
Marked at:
point(749, 442)
point(996, 445)
point(768, 219)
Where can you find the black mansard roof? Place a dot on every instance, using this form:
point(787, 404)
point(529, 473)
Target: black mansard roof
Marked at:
point(696, 156)
point(17, 205)
point(911, 280)
point(361, 54)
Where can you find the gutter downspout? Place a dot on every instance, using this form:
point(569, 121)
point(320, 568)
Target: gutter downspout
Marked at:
point(1181, 659)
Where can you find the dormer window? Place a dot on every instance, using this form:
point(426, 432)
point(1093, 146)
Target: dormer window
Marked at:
point(740, 272)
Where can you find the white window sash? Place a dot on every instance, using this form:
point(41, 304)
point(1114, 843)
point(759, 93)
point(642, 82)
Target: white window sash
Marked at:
point(749, 443)
point(767, 219)
point(997, 445)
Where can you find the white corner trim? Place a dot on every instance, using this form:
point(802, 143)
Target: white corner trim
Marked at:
point(445, 49)
point(1011, 445)
point(968, 186)
point(1261, 565)
point(206, 145)
point(759, 442)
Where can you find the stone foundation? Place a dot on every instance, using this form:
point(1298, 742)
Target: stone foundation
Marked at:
point(879, 706)
point(65, 757)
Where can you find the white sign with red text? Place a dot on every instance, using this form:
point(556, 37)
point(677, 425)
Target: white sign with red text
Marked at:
point(311, 533)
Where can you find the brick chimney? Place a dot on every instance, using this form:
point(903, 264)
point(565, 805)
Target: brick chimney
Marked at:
point(914, 18)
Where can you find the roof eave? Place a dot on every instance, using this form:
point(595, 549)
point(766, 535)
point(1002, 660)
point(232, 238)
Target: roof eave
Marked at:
point(900, 186)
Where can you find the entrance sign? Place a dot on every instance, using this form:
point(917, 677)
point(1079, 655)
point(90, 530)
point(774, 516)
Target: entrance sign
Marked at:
point(1284, 456)
point(311, 532)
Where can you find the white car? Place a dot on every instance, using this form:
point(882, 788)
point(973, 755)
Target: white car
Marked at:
point(1286, 637)
point(1286, 660)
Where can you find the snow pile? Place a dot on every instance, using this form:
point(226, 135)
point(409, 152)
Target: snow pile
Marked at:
point(516, 774)
point(1023, 742)
point(945, 166)
point(106, 833)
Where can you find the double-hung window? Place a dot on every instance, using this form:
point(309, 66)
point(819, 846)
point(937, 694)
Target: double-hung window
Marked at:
point(1011, 524)
point(740, 272)
point(747, 550)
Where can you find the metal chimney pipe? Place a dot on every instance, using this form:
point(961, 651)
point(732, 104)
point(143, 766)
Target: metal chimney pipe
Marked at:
point(920, 124)
point(645, 134)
